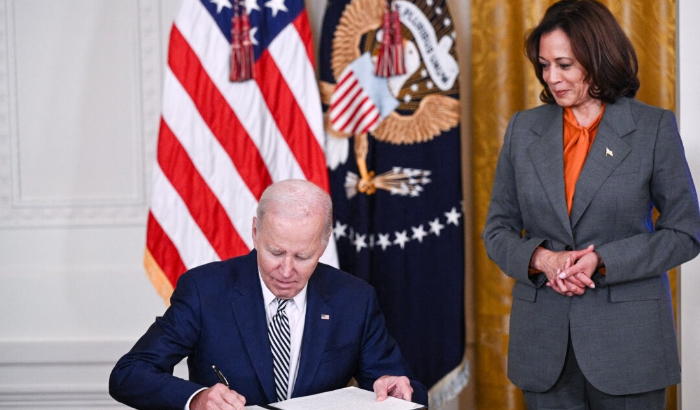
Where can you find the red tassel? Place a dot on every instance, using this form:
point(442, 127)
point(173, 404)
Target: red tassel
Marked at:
point(236, 49)
point(241, 48)
point(248, 56)
point(399, 68)
point(390, 61)
point(384, 65)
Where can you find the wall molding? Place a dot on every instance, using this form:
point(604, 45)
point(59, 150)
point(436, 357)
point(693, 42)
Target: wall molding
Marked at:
point(58, 374)
point(17, 210)
point(61, 374)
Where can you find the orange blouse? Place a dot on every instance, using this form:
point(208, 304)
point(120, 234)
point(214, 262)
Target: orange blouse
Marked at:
point(577, 143)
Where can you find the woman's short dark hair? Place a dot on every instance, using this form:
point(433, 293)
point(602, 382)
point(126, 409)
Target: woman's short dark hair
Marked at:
point(598, 43)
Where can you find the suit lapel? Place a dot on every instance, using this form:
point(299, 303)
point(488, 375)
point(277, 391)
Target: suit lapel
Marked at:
point(249, 312)
point(607, 152)
point(316, 331)
point(547, 156)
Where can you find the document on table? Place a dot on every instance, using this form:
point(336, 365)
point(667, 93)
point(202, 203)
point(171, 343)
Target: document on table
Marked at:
point(348, 398)
point(254, 408)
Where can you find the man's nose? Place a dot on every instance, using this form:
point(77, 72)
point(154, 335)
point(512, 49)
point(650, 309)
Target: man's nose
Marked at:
point(287, 266)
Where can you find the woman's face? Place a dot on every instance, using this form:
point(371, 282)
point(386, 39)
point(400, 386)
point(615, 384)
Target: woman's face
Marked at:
point(562, 72)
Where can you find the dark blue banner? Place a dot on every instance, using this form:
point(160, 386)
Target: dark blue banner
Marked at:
point(396, 181)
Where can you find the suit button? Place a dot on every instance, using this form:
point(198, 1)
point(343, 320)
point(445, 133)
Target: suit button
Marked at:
point(568, 248)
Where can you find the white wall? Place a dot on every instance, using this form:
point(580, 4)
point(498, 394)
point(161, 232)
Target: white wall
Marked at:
point(688, 87)
point(80, 86)
point(80, 90)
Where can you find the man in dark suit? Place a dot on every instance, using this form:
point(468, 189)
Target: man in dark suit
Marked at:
point(223, 314)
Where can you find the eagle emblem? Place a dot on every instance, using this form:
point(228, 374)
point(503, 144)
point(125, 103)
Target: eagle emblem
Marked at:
point(410, 108)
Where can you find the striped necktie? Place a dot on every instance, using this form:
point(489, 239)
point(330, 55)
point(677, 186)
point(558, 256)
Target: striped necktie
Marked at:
point(280, 342)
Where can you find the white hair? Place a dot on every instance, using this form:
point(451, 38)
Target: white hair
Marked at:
point(296, 198)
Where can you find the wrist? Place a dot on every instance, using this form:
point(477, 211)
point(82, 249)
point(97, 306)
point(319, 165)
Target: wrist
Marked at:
point(599, 263)
point(535, 258)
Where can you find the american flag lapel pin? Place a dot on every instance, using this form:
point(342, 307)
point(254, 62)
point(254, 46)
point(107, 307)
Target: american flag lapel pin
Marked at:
point(325, 317)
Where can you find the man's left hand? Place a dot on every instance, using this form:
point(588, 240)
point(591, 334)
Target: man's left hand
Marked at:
point(394, 386)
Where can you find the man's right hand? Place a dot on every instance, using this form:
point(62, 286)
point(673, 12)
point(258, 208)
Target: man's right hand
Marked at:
point(217, 397)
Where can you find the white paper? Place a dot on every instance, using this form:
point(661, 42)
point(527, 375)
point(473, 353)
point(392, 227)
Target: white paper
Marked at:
point(349, 398)
point(254, 408)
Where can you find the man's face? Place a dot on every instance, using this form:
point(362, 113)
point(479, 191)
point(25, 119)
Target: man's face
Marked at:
point(288, 251)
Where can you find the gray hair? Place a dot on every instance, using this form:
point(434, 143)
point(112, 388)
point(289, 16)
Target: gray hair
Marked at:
point(296, 198)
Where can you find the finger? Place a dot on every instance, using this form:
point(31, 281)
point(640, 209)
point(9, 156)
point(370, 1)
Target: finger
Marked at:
point(584, 280)
point(401, 388)
point(564, 288)
point(403, 393)
point(575, 280)
point(232, 398)
point(572, 287)
point(235, 399)
point(558, 285)
point(381, 389)
point(552, 283)
point(576, 255)
point(563, 274)
point(576, 290)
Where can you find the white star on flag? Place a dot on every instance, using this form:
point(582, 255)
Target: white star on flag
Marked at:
point(339, 230)
point(251, 5)
point(360, 242)
point(436, 226)
point(401, 238)
point(220, 4)
point(453, 217)
point(276, 6)
point(253, 32)
point(419, 233)
point(384, 241)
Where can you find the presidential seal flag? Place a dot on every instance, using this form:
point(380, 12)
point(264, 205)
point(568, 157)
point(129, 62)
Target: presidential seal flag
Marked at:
point(241, 110)
point(390, 92)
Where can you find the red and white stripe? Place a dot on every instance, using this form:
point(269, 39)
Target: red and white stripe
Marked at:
point(222, 143)
point(352, 111)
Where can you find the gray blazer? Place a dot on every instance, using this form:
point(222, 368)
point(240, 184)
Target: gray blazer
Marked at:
point(622, 331)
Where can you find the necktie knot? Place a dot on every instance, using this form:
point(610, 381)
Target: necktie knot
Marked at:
point(281, 305)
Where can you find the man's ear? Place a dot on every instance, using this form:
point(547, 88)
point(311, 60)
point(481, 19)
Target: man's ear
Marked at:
point(255, 231)
point(328, 239)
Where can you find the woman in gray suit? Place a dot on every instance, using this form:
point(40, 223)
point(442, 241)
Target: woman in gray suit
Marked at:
point(570, 220)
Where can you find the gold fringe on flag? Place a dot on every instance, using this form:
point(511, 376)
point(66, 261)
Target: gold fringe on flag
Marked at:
point(157, 277)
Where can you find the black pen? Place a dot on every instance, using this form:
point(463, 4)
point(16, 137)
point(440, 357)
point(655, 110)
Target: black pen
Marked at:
point(220, 375)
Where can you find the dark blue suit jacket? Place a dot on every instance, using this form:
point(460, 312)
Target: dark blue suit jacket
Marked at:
point(217, 317)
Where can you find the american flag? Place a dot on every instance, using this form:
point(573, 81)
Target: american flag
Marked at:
point(222, 143)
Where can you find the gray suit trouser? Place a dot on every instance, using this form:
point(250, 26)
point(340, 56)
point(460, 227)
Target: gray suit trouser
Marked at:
point(573, 392)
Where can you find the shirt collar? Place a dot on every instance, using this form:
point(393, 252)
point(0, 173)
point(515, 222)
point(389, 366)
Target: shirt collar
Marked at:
point(268, 297)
